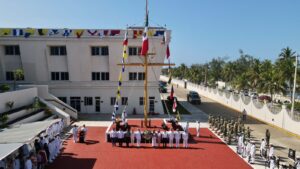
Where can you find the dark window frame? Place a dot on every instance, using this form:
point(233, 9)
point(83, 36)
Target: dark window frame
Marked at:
point(142, 101)
point(113, 100)
point(96, 76)
point(133, 76)
point(124, 100)
point(88, 101)
point(100, 50)
point(104, 76)
point(12, 49)
point(58, 50)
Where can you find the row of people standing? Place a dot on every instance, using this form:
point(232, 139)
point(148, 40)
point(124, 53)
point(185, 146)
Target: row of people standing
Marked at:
point(155, 137)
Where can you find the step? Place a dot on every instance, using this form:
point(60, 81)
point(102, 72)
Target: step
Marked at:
point(31, 117)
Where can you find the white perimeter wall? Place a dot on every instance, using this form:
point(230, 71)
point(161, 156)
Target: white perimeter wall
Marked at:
point(280, 118)
point(20, 98)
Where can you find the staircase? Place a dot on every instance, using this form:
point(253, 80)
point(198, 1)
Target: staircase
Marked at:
point(27, 114)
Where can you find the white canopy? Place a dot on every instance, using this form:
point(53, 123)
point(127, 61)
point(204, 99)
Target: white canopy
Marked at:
point(7, 149)
point(24, 133)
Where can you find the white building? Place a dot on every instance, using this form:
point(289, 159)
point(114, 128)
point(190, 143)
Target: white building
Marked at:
point(80, 65)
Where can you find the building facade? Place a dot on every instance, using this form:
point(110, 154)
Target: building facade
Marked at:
point(80, 65)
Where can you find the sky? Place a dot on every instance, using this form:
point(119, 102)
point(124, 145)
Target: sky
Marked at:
point(201, 29)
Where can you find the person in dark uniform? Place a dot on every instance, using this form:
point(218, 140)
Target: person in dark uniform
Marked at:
point(268, 135)
point(164, 139)
point(127, 137)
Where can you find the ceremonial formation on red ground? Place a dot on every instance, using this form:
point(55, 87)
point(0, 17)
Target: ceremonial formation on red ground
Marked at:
point(207, 151)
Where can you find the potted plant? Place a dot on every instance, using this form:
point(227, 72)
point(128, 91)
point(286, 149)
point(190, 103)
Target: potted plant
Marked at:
point(10, 104)
point(4, 87)
point(3, 119)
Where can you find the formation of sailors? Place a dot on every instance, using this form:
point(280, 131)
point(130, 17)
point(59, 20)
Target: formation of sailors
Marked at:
point(155, 137)
point(45, 148)
point(235, 131)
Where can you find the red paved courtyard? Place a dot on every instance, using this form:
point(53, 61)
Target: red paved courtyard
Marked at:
point(205, 152)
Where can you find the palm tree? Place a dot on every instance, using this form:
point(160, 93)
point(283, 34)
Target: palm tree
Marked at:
point(254, 73)
point(285, 63)
point(271, 81)
point(229, 72)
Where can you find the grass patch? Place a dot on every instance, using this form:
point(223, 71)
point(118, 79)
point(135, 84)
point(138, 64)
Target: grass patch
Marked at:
point(169, 104)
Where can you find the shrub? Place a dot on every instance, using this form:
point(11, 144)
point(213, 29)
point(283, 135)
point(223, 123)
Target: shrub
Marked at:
point(4, 87)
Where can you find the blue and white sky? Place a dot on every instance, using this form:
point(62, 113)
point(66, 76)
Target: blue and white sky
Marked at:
point(201, 29)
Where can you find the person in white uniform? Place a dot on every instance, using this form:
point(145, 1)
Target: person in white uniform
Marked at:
point(132, 134)
point(198, 128)
point(75, 133)
point(154, 138)
point(248, 148)
point(171, 137)
point(252, 153)
point(272, 162)
point(271, 151)
point(177, 137)
point(240, 145)
point(262, 148)
point(158, 138)
point(138, 137)
point(185, 137)
point(113, 137)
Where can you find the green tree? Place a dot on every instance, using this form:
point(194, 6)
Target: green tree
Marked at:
point(18, 75)
point(285, 63)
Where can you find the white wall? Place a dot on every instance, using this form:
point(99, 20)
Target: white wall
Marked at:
point(279, 118)
point(20, 98)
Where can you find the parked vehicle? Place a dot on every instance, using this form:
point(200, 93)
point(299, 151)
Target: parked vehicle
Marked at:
point(193, 97)
point(265, 97)
point(162, 84)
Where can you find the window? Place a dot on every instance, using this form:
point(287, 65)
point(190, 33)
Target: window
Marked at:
point(10, 76)
point(112, 101)
point(142, 101)
point(124, 100)
point(58, 50)
point(64, 99)
point(64, 75)
point(12, 50)
point(104, 75)
point(59, 75)
point(133, 51)
point(99, 50)
point(104, 51)
point(141, 76)
point(132, 76)
point(95, 51)
point(96, 76)
point(54, 75)
point(88, 101)
point(97, 104)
